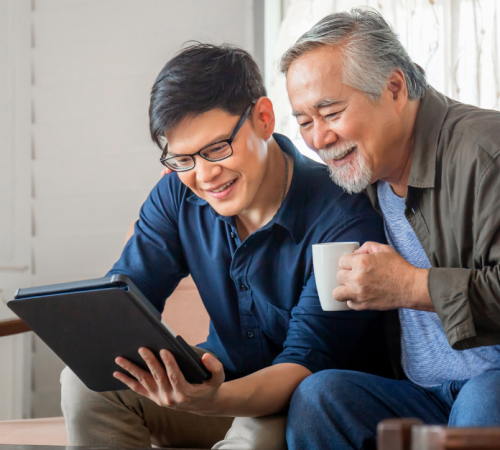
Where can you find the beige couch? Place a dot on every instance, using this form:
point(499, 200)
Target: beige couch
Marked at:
point(184, 312)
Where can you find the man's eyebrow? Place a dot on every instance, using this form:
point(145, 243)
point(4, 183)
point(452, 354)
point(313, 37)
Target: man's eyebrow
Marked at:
point(327, 102)
point(321, 104)
point(213, 141)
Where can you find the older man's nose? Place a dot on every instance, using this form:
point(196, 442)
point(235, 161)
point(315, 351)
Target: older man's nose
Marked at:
point(323, 135)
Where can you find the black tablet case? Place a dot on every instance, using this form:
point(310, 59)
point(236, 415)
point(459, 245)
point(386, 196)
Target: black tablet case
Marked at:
point(90, 323)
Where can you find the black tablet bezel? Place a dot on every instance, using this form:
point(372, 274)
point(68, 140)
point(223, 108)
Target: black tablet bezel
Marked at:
point(197, 372)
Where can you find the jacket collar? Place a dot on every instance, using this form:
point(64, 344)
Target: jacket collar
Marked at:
point(431, 115)
point(287, 215)
point(430, 118)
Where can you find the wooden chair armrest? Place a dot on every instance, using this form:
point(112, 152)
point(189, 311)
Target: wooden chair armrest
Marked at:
point(443, 438)
point(13, 326)
point(395, 434)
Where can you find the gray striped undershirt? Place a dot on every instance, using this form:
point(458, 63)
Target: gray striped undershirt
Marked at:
point(427, 358)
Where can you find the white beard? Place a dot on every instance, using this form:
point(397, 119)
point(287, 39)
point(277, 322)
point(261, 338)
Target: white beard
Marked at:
point(354, 176)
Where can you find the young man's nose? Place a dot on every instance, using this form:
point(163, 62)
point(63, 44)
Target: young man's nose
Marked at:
point(206, 171)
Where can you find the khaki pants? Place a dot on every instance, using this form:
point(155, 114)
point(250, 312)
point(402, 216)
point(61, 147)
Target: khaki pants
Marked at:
point(126, 419)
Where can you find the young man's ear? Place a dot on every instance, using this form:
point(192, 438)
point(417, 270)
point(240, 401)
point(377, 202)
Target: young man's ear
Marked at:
point(263, 117)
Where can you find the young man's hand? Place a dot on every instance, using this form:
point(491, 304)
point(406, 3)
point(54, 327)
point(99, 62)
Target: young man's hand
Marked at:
point(166, 385)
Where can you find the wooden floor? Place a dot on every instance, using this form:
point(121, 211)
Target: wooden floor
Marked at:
point(51, 431)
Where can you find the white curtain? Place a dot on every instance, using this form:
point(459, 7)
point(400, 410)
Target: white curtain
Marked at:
point(455, 41)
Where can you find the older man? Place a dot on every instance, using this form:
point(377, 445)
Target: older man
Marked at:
point(430, 166)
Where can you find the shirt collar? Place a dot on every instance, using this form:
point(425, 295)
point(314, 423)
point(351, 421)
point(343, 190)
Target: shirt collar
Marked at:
point(288, 215)
point(431, 115)
point(193, 198)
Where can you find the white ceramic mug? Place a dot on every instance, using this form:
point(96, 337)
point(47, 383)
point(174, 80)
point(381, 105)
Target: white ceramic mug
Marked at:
point(326, 265)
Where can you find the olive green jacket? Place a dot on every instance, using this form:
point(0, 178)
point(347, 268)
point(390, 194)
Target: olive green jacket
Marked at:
point(453, 205)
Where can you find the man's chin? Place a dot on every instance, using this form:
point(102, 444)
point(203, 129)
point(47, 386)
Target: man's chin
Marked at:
point(224, 210)
point(352, 189)
point(354, 184)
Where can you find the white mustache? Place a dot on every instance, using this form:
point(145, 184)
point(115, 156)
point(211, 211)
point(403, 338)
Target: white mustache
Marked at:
point(335, 152)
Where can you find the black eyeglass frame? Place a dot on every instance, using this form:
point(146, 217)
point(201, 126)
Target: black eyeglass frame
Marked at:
point(239, 124)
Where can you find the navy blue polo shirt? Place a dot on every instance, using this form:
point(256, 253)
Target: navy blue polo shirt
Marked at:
point(261, 293)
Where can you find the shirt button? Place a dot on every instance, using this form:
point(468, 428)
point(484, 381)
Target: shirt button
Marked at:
point(233, 235)
point(243, 287)
point(250, 334)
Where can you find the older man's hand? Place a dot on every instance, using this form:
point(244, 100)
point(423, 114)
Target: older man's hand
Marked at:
point(166, 171)
point(377, 277)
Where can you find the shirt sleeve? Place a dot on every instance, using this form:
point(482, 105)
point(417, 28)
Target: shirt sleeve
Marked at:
point(318, 339)
point(467, 300)
point(153, 257)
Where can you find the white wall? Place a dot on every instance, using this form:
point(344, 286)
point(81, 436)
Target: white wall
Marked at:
point(15, 183)
point(94, 63)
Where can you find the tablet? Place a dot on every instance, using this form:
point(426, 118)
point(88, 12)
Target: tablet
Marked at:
point(90, 323)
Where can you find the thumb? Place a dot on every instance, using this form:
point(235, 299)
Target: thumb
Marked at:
point(370, 247)
point(215, 367)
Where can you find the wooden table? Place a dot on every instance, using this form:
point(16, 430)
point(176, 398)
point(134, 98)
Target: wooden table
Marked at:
point(411, 434)
point(57, 447)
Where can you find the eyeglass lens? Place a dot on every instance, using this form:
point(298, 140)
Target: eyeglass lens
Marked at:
point(215, 152)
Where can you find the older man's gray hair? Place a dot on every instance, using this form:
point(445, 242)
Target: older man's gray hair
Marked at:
point(371, 51)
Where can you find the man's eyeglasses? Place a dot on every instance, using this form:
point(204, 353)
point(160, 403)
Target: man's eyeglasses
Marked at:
point(213, 152)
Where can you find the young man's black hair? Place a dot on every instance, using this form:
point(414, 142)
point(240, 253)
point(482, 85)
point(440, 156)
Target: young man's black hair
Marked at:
point(200, 78)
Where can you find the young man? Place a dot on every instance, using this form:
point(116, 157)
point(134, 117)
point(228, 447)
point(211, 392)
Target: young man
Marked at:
point(430, 166)
point(240, 215)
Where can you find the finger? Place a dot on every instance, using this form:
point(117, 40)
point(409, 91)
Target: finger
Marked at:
point(175, 376)
point(371, 247)
point(343, 276)
point(132, 384)
point(156, 369)
point(165, 171)
point(346, 261)
point(361, 306)
point(215, 367)
point(143, 377)
point(343, 294)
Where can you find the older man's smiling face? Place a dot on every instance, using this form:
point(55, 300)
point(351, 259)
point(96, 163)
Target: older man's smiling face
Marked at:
point(353, 135)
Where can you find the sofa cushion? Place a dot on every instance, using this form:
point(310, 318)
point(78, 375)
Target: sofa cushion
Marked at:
point(185, 313)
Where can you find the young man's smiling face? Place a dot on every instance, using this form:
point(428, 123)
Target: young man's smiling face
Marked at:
point(230, 185)
point(351, 133)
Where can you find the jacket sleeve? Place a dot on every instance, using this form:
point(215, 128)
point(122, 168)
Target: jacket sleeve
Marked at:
point(467, 300)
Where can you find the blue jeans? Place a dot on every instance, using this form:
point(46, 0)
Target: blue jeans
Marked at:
point(340, 409)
